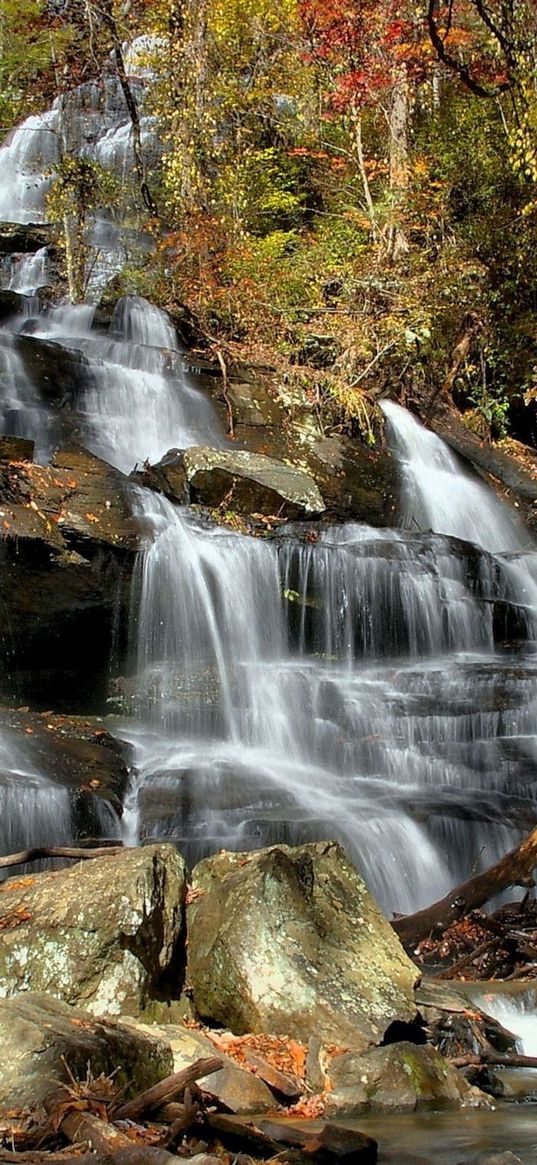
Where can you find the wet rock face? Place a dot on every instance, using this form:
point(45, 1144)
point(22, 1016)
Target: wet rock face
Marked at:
point(39, 1035)
point(290, 942)
point(25, 238)
point(55, 371)
point(401, 1076)
point(67, 547)
point(10, 303)
point(246, 482)
point(100, 934)
point(75, 753)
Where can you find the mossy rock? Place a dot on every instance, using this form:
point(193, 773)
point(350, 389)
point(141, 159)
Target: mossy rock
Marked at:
point(290, 941)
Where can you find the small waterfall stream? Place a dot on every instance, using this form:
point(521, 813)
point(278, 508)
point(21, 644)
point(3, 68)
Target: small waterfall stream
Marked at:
point(439, 494)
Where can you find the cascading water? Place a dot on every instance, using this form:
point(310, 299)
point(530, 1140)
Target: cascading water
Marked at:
point(24, 273)
point(343, 686)
point(438, 494)
point(134, 398)
point(339, 683)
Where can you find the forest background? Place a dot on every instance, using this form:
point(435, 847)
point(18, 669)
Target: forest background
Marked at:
point(347, 191)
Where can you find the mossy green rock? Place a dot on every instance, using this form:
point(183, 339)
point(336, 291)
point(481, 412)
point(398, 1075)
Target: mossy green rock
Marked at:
point(99, 934)
point(290, 941)
point(400, 1076)
point(39, 1036)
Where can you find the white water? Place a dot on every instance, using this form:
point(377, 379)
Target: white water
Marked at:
point(347, 686)
point(439, 494)
point(24, 273)
point(516, 1013)
point(134, 399)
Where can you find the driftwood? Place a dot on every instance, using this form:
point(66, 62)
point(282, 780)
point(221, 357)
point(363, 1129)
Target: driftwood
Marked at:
point(57, 851)
point(286, 1085)
point(110, 1142)
point(515, 869)
point(167, 1089)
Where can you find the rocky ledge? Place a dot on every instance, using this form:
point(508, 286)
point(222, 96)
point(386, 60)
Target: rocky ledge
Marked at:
point(67, 546)
point(249, 483)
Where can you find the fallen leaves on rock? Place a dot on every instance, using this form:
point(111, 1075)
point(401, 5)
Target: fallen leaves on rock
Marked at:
point(281, 1052)
point(14, 918)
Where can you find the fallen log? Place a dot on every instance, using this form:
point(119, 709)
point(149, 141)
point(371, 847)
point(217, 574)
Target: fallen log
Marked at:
point(57, 851)
point(44, 1158)
point(102, 1136)
point(167, 1089)
point(499, 1059)
point(515, 869)
point(281, 1082)
point(331, 1140)
point(111, 1142)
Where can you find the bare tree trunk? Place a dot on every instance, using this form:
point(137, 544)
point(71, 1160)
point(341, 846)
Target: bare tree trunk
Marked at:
point(132, 107)
point(363, 174)
point(396, 242)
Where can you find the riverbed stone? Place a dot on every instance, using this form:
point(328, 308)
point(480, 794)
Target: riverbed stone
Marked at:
point(397, 1077)
point(99, 934)
point(41, 1036)
point(289, 941)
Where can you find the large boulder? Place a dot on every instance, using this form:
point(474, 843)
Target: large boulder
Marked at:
point(101, 934)
point(68, 542)
point(41, 1038)
point(247, 482)
point(400, 1076)
point(290, 941)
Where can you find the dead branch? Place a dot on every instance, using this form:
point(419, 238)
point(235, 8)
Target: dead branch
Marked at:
point(225, 393)
point(57, 851)
point(167, 1089)
point(515, 869)
point(500, 1059)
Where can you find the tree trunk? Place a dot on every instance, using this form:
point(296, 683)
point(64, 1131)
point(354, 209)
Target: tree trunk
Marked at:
point(396, 242)
point(363, 174)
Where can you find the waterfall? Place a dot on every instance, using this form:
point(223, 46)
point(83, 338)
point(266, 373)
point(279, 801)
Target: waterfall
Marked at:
point(24, 273)
point(274, 704)
point(134, 397)
point(439, 494)
point(26, 158)
point(517, 1013)
point(346, 682)
point(33, 809)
